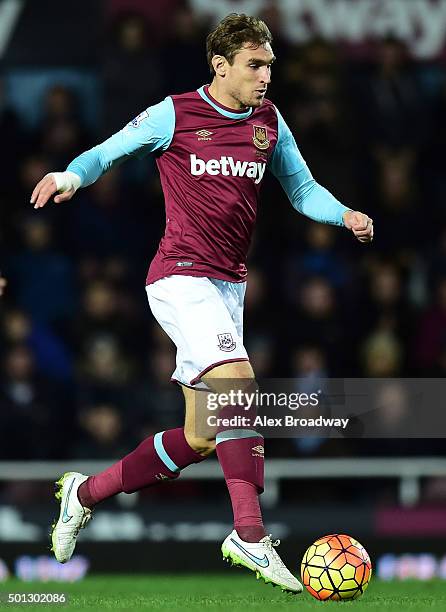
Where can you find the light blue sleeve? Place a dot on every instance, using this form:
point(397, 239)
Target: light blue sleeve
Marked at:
point(150, 131)
point(304, 193)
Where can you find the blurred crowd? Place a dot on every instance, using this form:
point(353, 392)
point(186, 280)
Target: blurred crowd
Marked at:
point(85, 369)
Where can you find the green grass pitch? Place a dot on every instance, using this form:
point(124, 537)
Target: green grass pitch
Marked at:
point(231, 591)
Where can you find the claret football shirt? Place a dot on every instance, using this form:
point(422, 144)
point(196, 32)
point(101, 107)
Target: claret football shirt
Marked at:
point(211, 161)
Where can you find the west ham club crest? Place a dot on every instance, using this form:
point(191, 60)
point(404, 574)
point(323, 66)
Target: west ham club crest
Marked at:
point(226, 342)
point(260, 138)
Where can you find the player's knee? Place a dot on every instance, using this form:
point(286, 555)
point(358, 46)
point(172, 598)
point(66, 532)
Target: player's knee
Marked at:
point(228, 371)
point(203, 446)
point(235, 377)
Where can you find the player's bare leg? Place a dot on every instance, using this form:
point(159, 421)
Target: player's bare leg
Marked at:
point(203, 444)
point(241, 456)
point(161, 457)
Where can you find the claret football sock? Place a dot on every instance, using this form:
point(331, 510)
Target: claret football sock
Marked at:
point(241, 456)
point(158, 458)
point(101, 486)
point(246, 508)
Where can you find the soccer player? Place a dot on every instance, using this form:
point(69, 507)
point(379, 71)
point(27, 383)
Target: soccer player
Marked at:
point(212, 148)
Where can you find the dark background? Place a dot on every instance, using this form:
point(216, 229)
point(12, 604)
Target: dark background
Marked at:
point(84, 367)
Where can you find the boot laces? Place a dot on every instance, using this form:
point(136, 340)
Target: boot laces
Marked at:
point(271, 543)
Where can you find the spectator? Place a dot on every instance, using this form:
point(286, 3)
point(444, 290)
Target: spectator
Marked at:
point(317, 320)
point(383, 355)
point(185, 40)
point(52, 356)
point(392, 104)
point(31, 409)
point(43, 278)
point(320, 258)
point(105, 371)
point(101, 433)
point(61, 131)
point(131, 72)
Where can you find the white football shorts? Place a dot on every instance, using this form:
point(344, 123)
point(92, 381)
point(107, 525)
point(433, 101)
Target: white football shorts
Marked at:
point(204, 318)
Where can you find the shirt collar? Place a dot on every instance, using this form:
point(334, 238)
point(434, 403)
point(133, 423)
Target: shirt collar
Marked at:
point(223, 110)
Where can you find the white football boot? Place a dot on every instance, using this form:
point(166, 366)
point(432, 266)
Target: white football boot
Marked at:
point(73, 516)
point(261, 558)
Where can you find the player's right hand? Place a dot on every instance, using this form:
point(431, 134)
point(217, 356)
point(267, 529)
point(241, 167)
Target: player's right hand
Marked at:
point(61, 183)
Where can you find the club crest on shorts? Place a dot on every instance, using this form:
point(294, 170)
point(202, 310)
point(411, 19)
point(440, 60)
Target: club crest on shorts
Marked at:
point(226, 342)
point(260, 137)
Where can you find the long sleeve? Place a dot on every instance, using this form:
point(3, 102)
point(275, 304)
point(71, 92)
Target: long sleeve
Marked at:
point(304, 193)
point(150, 131)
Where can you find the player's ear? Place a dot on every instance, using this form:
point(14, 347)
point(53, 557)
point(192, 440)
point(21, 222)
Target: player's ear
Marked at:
point(219, 64)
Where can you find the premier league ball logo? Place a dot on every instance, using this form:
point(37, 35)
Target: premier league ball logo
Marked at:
point(137, 120)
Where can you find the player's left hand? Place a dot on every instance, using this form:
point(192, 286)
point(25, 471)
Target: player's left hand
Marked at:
point(360, 224)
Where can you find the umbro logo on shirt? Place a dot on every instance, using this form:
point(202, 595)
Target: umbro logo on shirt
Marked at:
point(161, 476)
point(204, 135)
point(227, 166)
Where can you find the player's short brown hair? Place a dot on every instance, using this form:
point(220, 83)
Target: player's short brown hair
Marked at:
point(232, 33)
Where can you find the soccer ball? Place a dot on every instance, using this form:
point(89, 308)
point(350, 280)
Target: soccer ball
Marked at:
point(336, 567)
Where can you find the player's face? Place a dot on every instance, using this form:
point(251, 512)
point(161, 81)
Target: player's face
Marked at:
point(248, 77)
